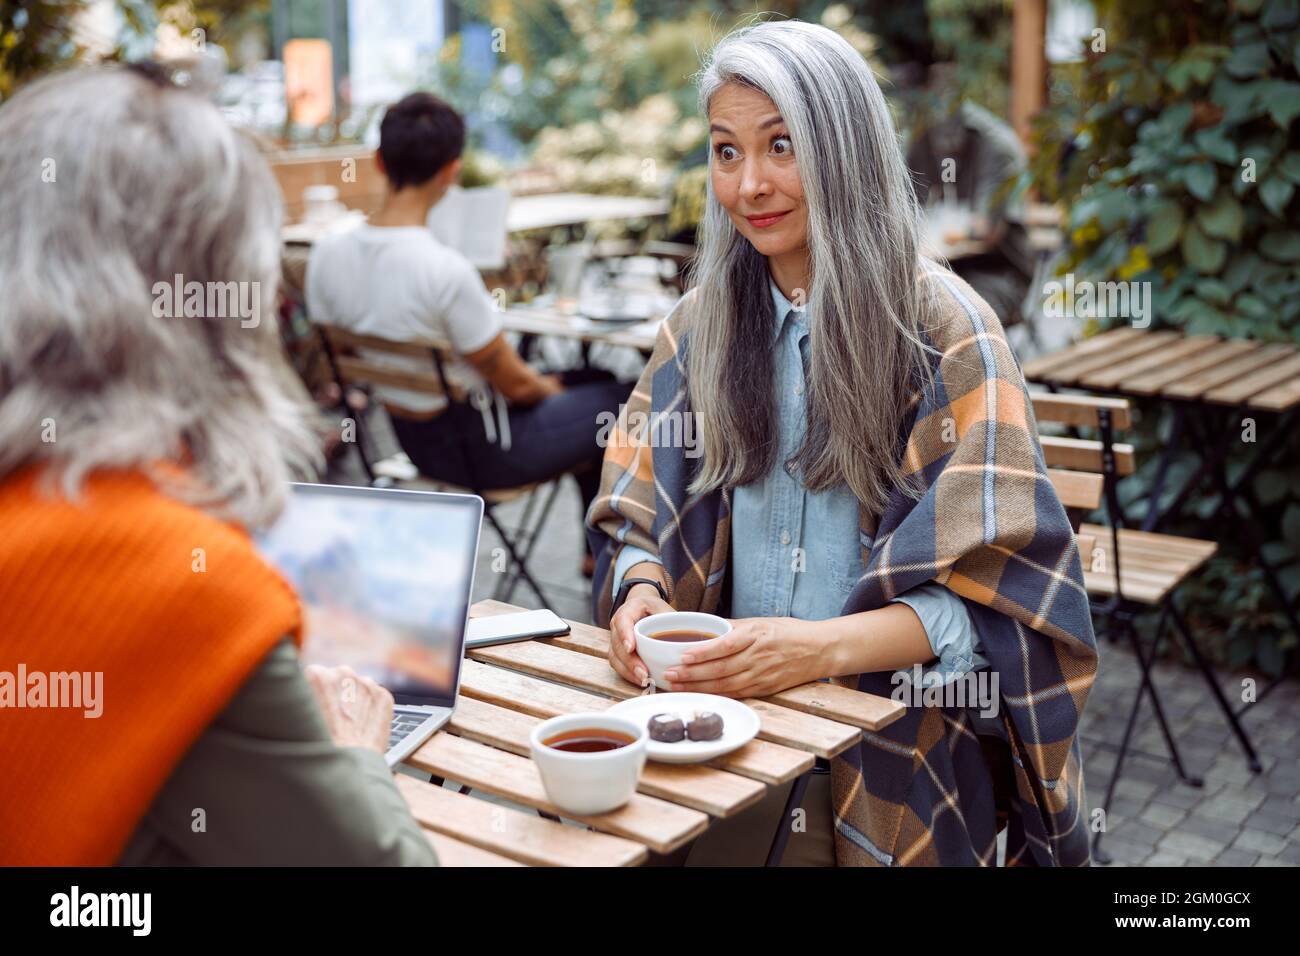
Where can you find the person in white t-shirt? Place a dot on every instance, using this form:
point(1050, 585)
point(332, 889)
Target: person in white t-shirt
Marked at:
point(390, 277)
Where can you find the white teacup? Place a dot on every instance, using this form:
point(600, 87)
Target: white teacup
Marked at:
point(661, 655)
point(585, 784)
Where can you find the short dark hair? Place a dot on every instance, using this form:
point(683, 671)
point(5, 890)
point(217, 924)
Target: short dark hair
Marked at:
point(419, 135)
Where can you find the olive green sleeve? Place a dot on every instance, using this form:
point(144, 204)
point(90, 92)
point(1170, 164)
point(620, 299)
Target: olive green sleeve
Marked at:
point(265, 785)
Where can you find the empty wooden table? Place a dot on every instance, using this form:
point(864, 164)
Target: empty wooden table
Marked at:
point(1217, 388)
point(508, 689)
point(1229, 373)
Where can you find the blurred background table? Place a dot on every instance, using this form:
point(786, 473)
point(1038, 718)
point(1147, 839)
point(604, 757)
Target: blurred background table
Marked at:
point(524, 214)
point(536, 321)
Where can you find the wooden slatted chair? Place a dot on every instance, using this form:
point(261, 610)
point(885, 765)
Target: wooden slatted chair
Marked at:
point(352, 361)
point(1128, 572)
point(1081, 494)
point(1150, 566)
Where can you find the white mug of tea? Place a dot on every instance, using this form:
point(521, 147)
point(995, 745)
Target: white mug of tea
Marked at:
point(662, 639)
point(589, 763)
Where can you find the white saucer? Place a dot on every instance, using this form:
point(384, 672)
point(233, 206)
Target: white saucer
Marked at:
point(739, 724)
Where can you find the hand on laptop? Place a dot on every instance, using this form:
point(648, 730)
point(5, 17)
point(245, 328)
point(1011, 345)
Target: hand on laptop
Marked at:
point(358, 712)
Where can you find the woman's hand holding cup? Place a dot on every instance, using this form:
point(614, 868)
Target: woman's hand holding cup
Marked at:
point(642, 601)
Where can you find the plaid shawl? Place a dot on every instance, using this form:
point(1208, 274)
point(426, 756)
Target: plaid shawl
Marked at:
point(989, 526)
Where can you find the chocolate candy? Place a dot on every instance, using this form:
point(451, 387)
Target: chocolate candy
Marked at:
point(706, 726)
point(667, 729)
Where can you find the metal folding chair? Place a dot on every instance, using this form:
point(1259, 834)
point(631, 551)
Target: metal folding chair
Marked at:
point(1132, 571)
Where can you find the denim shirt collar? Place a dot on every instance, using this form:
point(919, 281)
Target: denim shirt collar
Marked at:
point(785, 310)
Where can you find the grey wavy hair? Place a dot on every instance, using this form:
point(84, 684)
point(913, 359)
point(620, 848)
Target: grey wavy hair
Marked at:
point(866, 308)
point(110, 182)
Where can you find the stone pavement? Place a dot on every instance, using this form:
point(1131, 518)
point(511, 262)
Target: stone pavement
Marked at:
point(1236, 818)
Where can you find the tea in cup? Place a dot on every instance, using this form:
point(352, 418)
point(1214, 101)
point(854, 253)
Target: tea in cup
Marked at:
point(589, 763)
point(662, 639)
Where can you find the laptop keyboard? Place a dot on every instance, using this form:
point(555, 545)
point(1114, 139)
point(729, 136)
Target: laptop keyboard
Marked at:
point(403, 725)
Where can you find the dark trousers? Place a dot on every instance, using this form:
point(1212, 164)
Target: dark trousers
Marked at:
point(547, 439)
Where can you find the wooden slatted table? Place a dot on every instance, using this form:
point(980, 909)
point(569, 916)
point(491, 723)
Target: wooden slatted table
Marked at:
point(508, 689)
point(1206, 369)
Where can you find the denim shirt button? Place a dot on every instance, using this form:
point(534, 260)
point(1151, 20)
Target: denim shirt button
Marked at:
point(798, 389)
point(785, 537)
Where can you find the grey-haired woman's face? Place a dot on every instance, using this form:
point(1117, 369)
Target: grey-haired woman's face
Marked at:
point(755, 172)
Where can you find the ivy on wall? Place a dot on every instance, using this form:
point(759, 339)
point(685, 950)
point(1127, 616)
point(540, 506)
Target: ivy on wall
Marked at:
point(1174, 149)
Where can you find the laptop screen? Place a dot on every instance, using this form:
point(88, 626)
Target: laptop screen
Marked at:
point(385, 578)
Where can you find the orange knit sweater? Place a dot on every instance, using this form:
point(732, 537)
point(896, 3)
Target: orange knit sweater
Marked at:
point(167, 608)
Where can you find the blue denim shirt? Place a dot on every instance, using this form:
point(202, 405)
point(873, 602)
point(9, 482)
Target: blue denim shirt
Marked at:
point(797, 553)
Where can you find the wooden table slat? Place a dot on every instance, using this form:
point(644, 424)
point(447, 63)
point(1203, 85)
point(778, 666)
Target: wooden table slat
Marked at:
point(542, 659)
point(1195, 386)
point(700, 787)
point(840, 704)
point(761, 760)
point(1278, 399)
point(454, 853)
point(659, 824)
point(1116, 376)
point(513, 833)
point(1239, 391)
point(1072, 373)
point(524, 692)
point(802, 730)
point(1152, 381)
point(1039, 368)
point(490, 607)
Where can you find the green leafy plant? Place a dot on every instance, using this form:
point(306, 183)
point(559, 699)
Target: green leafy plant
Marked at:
point(38, 36)
point(975, 35)
point(1175, 149)
point(35, 37)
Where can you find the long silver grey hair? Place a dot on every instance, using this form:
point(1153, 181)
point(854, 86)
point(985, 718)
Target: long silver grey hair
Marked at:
point(111, 182)
point(866, 308)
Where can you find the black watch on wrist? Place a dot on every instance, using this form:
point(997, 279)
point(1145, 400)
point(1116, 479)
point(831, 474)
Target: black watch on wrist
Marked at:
point(629, 584)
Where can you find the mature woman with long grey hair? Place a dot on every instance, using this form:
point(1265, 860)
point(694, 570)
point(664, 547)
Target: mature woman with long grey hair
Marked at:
point(868, 501)
point(140, 442)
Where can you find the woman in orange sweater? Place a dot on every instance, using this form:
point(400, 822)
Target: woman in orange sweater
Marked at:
point(152, 707)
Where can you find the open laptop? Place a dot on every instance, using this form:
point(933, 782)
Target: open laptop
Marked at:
point(385, 578)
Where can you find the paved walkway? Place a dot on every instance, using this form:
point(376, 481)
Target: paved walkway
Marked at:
point(1236, 818)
